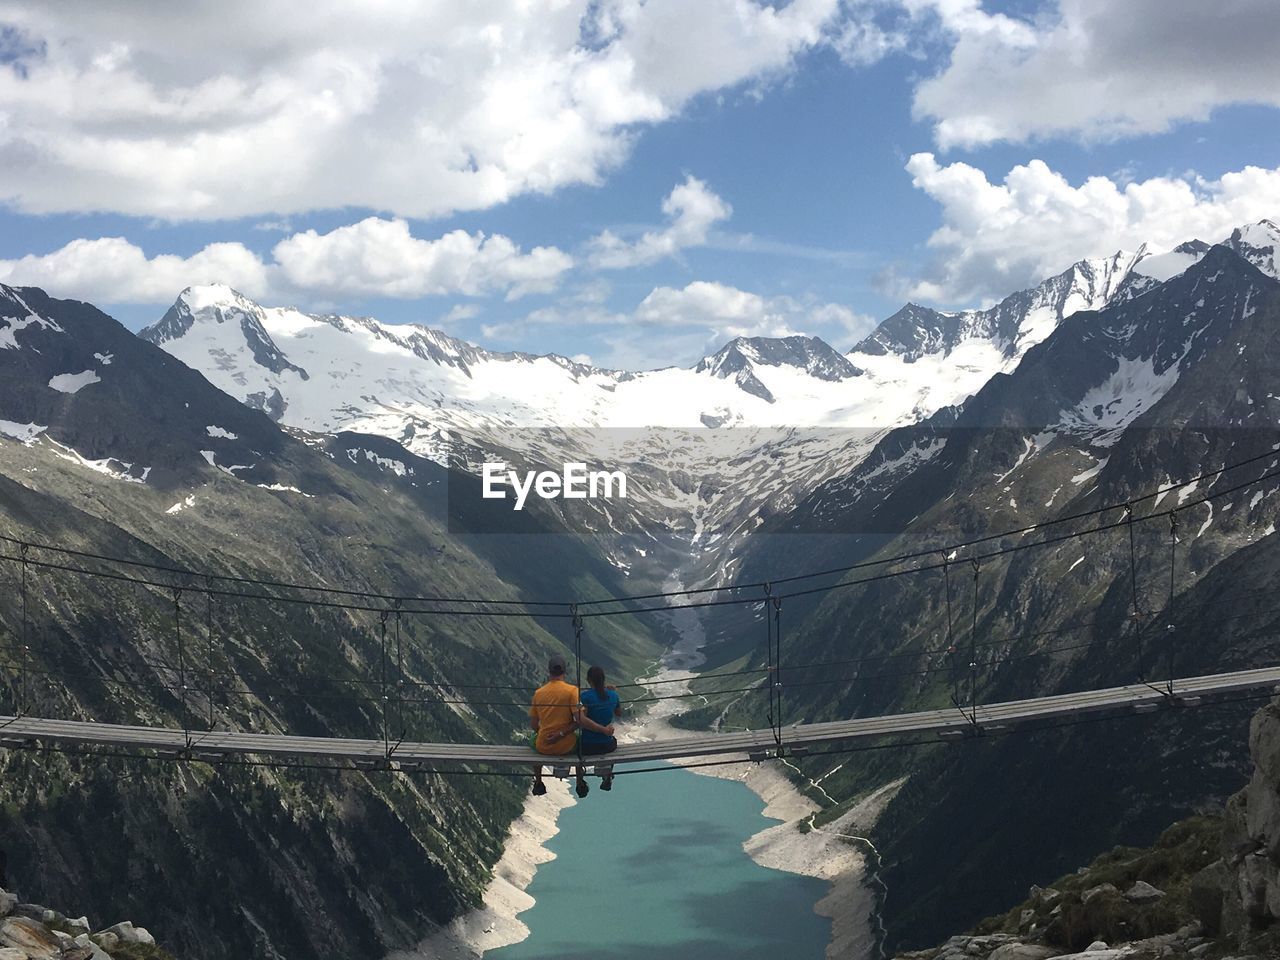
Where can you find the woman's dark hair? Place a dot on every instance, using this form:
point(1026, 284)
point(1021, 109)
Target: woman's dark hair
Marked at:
point(595, 677)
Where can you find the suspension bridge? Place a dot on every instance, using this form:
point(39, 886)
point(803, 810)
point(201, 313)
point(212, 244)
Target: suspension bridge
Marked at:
point(967, 718)
point(751, 745)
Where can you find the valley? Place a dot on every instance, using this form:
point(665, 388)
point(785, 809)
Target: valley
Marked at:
point(235, 439)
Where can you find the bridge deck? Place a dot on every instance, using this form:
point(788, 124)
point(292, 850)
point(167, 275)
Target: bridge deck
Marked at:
point(214, 745)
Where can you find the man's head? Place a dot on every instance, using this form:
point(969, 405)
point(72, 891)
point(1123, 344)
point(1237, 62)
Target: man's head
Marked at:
point(556, 665)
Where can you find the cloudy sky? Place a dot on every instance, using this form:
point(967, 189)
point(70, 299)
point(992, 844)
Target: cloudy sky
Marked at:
point(629, 180)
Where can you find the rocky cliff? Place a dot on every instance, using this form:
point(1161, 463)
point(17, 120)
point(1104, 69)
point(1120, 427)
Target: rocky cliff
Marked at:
point(1237, 897)
point(1208, 888)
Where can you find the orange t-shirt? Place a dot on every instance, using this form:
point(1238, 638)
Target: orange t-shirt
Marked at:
point(553, 706)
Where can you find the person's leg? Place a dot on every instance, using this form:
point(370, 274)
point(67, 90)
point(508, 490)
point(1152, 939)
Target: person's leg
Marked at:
point(597, 749)
point(539, 788)
point(606, 782)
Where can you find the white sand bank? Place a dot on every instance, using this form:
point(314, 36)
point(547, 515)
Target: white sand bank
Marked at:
point(497, 923)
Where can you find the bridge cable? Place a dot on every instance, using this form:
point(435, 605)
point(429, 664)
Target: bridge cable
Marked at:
point(339, 591)
point(386, 733)
point(1137, 616)
point(952, 652)
point(581, 785)
point(973, 647)
point(1173, 564)
point(916, 555)
point(1223, 702)
point(775, 661)
point(182, 665)
point(399, 676)
point(777, 676)
point(714, 603)
point(770, 660)
point(266, 582)
point(26, 643)
point(208, 629)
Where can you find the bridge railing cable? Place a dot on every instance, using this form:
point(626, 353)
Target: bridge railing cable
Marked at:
point(394, 689)
point(373, 600)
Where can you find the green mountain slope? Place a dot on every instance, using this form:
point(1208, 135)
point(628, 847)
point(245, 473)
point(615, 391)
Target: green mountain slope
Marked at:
point(152, 463)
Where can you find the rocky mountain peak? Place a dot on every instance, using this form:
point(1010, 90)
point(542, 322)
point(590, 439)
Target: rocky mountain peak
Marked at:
point(911, 332)
point(1259, 243)
point(741, 357)
point(1014, 325)
point(813, 355)
point(230, 321)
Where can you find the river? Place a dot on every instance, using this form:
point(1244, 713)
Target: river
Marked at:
point(656, 868)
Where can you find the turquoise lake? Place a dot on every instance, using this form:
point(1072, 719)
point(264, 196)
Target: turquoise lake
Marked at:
point(655, 869)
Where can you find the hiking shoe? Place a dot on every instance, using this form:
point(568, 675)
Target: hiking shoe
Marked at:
point(606, 784)
point(539, 788)
point(583, 789)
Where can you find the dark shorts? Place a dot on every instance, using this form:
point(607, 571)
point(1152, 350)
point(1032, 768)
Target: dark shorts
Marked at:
point(533, 742)
point(595, 749)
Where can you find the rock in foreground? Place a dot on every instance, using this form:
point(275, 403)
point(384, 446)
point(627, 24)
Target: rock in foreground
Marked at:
point(29, 931)
point(1209, 889)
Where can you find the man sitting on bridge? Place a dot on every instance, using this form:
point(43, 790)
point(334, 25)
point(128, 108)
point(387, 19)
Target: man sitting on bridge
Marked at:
point(555, 716)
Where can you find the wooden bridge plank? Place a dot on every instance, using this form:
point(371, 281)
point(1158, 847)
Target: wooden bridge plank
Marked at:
point(17, 730)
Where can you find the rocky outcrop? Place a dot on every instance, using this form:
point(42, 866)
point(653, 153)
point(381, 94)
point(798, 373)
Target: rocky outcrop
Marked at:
point(30, 931)
point(1209, 888)
point(1237, 897)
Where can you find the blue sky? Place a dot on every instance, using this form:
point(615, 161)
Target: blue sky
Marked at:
point(490, 172)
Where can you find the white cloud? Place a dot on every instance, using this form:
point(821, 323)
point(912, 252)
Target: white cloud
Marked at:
point(373, 257)
point(636, 349)
point(458, 313)
point(231, 109)
point(726, 312)
point(1099, 69)
point(723, 310)
point(382, 258)
point(692, 209)
point(999, 237)
point(700, 317)
point(679, 325)
point(113, 270)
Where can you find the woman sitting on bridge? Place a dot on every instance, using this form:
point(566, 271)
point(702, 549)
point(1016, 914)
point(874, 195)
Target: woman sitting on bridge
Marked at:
point(602, 705)
point(555, 715)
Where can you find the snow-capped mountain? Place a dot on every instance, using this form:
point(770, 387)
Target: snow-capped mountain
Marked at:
point(1259, 243)
point(744, 432)
point(325, 372)
point(1012, 326)
point(738, 359)
point(1192, 355)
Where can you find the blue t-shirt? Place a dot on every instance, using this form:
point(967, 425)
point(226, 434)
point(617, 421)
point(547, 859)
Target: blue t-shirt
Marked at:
point(601, 710)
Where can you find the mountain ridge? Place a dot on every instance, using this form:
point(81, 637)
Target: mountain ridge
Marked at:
point(1174, 382)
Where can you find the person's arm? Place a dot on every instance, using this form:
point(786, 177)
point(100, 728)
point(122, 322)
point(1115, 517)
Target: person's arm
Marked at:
point(533, 719)
point(586, 723)
point(617, 701)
